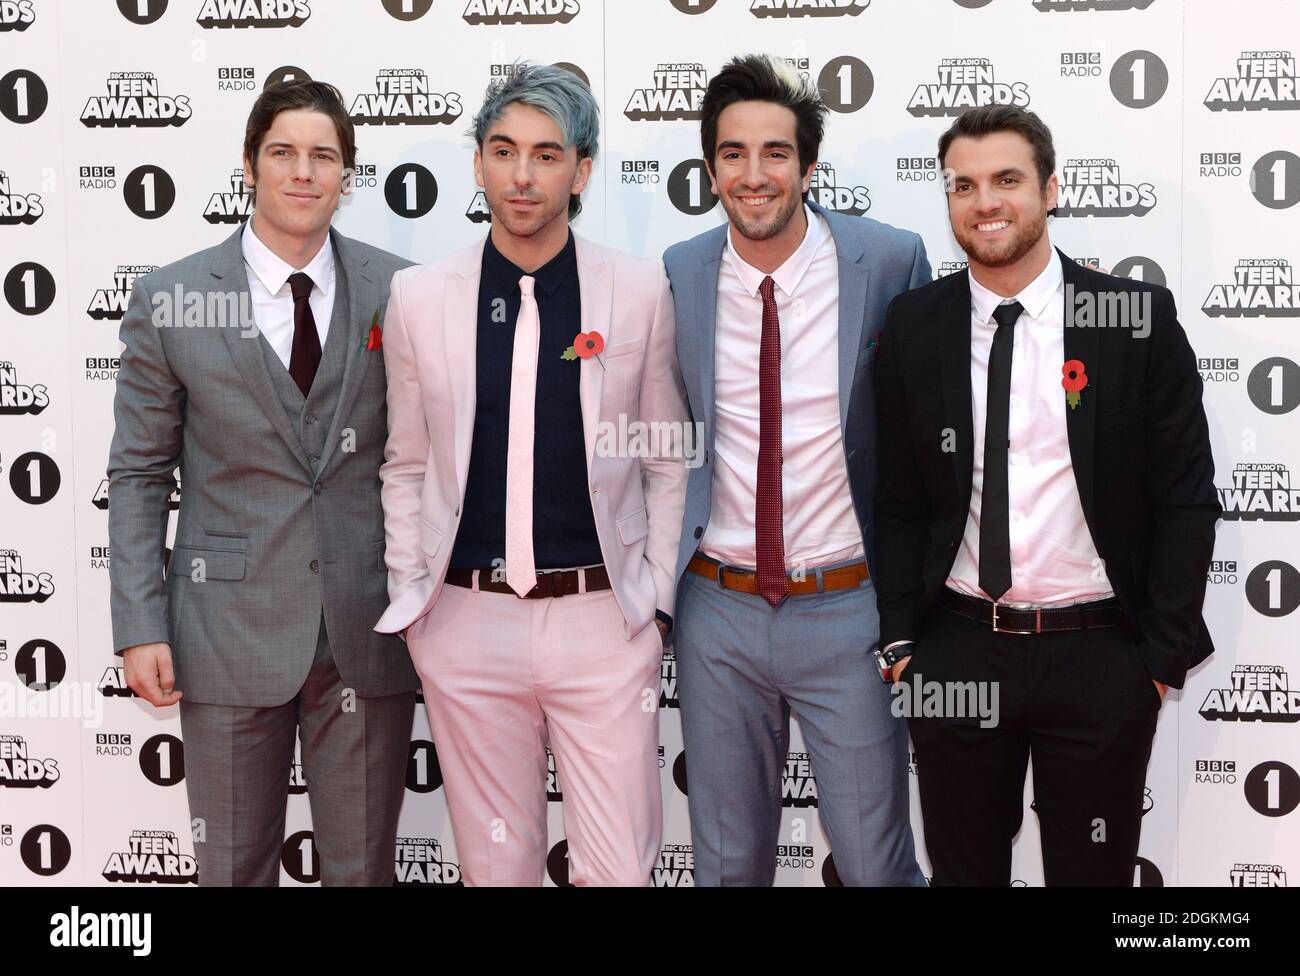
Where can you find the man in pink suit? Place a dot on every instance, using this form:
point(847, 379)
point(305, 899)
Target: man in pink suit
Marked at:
point(530, 551)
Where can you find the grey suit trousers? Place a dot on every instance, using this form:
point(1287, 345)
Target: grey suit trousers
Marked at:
point(354, 756)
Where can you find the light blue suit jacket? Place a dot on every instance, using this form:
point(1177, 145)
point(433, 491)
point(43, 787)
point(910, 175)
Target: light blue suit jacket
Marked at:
point(876, 263)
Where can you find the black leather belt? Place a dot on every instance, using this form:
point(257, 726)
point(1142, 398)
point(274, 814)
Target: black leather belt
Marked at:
point(553, 583)
point(1033, 620)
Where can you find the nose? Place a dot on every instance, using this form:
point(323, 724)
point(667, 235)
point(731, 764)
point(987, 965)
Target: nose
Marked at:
point(302, 168)
point(987, 199)
point(523, 173)
point(753, 173)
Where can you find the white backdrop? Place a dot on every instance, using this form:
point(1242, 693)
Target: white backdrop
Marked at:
point(120, 128)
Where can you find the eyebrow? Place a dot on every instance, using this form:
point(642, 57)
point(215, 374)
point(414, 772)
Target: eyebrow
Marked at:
point(498, 137)
point(1008, 171)
point(770, 144)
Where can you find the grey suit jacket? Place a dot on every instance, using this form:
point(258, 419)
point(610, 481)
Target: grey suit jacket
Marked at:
point(268, 536)
point(876, 262)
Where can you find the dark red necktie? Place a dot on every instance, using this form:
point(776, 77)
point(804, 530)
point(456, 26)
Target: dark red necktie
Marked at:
point(769, 536)
point(305, 356)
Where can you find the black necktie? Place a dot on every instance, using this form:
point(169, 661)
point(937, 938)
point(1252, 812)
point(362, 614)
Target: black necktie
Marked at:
point(995, 531)
point(305, 355)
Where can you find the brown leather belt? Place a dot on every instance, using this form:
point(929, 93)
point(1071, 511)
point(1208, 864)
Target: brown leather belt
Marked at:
point(561, 582)
point(746, 580)
point(1033, 620)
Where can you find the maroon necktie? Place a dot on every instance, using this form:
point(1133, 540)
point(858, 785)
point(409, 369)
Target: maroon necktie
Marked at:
point(769, 536)
point(305, 356)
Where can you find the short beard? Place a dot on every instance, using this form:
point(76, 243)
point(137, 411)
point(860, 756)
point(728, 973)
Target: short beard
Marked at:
point(1023, 243)
point(759, 232)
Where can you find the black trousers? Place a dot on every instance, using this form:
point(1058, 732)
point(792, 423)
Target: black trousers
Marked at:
point(1081, 703)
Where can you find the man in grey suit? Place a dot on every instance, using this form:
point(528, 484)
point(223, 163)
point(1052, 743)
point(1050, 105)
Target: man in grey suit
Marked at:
point(255, 367)
point(777, 315)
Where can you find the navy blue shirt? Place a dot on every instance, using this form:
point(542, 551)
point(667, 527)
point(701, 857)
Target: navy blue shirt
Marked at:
point(564, 529)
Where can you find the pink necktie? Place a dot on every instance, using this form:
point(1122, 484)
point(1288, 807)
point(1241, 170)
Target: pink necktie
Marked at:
point(521, 572)
point(769, 534)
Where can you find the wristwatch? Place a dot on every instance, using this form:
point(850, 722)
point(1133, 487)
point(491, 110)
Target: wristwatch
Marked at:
point(886, 659)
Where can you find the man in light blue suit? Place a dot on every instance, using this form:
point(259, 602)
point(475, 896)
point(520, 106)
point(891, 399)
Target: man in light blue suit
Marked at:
point(777, 318)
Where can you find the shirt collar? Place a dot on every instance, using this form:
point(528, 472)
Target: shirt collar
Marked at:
point(548, 278)
point(1034, 297)
point(791, 271)
point(272, 271)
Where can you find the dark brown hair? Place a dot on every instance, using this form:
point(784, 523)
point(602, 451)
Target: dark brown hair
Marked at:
point(315, 96)
point(976, 123)
point(764, 78)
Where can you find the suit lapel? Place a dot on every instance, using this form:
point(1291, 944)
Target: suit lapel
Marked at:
point(1083, 344)
point(460, 351)
point(245, 350)
point(853, 278)
point(953, 342)
point(705, 291)
point(596, 286)
point(360, 282)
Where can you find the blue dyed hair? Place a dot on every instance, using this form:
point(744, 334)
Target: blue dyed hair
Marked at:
point(559, 93)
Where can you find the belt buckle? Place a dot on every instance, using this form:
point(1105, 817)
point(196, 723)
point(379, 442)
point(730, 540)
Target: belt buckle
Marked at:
point(1038, 623)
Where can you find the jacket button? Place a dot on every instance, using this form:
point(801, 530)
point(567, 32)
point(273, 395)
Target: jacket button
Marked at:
point(314, 566)
point(313, 457)
point(699, 531)
point(317, 488)
point(310, 418)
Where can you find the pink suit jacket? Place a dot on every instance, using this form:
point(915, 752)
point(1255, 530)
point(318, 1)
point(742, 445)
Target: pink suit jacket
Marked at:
point(430, 355)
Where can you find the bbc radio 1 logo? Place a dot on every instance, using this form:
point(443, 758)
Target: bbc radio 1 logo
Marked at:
point(846, 83)
point(110, 303)
point(917, 169)
point(23, 96)
point(1222, 572)
point(1275, 179)
point(240, 79)
point(1219, 165)
point(498, 13)
point(807, 8)
point(1096, 188)
point(44, 849)
point(135, 99)
point(16, 15)
point(18, 585)
point(420, 861)
point(35, 479)
point(823, 188)
point(501, 71)
point(965, 83)
point(1255, 693)
point(676, 93)
point(1215, 772)
point(18, 208)
point(402, 97)
point(148, 190)
point(1261, 288)
point(798, 784)
point(690, 188)
point(668, 680)
point(411, 191)
point(1248, 875)
point(423, 773)
point(115, 745)
point(676, 867)
point(950, 267)
point(220, 14)
point(232, 206)
point(99, 557)
point(151, 857)
point(20, 398)
point(40, 664)
point(21, 770)
point(1264, 81)
point(1138, 79)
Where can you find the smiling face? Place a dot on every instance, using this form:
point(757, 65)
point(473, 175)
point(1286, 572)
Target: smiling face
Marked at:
point(527, 174)
point(298, 174)
point(755, 168)
point(996, 206)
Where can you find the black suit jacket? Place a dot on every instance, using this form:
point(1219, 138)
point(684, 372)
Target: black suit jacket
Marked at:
point(1139, 445)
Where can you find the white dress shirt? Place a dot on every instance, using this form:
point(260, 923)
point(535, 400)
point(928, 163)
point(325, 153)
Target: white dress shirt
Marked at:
point(268, 286)
point(1053, 559)
point(820, 525)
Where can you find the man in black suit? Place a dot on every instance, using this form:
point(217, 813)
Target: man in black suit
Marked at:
point(1044, 522)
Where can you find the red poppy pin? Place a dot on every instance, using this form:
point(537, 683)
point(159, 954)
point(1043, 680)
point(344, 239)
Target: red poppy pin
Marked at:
point(585, 345)
point(1073, 380)
point(375, 337)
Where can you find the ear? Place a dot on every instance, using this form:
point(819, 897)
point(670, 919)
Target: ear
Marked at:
point(478, 168)
point(583, 174)
point(1051, 192)
point(713, 180)
point(249, 178)
point(807, 175)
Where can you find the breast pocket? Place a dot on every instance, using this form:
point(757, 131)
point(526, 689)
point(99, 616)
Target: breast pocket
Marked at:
point(1131, 413)
point(201, 565)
